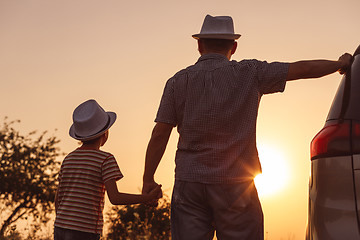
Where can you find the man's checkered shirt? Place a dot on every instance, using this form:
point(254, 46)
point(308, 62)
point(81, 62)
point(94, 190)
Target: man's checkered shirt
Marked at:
point(214, 104)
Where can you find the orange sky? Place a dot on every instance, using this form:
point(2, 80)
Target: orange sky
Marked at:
point(56, 54)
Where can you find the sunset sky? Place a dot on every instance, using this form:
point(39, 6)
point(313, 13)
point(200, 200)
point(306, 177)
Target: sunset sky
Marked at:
point(56, 54)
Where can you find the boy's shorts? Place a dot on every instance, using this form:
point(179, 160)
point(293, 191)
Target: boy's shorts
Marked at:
point(233, 211)
point(68, 234)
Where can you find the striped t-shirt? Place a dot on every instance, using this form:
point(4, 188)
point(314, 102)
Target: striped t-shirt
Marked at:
point(81, 189)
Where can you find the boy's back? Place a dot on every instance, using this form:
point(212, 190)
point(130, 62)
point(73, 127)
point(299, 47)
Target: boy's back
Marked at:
point(81, 189)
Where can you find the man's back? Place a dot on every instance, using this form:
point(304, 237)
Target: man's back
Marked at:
point(214, 103)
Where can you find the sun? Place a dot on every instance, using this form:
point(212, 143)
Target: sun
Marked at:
point(274, 171)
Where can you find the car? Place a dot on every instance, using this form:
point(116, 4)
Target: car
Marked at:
point(334, 185)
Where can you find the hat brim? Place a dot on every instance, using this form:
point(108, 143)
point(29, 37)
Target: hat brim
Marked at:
point(217, 36)
point(112, 119)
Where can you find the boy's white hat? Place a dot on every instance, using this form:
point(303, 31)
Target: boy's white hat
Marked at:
point(90, 121)
point(220, 27)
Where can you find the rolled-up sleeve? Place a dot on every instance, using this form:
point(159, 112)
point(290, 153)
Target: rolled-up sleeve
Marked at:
point(272, 76)
point(167, 112)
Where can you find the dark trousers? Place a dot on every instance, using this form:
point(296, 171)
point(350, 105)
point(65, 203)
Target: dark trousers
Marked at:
point(68, 234)
point(232, 210)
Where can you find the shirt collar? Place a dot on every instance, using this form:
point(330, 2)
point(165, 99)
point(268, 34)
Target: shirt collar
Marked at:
point(210, 56)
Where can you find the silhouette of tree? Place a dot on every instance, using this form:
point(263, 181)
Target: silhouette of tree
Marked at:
point(28, 169)
point(137, 222)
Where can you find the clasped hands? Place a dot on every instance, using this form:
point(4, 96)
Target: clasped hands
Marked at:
point(154, 189)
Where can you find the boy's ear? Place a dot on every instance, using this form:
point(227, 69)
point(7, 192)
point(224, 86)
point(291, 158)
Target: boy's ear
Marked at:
point(233, 50)
point(104, 138)
point(200, 46)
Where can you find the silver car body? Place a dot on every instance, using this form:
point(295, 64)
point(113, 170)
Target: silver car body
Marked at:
point(334, 186)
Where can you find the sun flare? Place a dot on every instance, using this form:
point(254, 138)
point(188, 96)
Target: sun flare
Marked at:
point(274, 171)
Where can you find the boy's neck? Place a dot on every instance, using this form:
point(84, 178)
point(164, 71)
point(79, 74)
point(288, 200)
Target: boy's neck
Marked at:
point(96, 143)
point(92, 146)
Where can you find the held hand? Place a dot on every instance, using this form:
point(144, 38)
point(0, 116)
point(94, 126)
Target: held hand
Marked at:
point(152, 188)
point(155, 193)
point(346, 61)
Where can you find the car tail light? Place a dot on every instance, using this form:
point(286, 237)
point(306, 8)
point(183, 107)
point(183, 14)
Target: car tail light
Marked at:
point(337, 138)
point(332, 140)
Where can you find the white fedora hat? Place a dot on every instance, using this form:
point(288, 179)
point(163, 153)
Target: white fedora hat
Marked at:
point(90, 121)
point(220, 27)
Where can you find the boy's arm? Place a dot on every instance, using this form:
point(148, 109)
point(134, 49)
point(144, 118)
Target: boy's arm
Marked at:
point(318, 68)
point(56, 200)
point(118, 198)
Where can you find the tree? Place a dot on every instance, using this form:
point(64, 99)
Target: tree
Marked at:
point(137, 222)
point(28, 169)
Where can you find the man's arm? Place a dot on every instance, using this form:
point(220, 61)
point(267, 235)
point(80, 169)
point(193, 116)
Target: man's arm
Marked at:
point(155, 150)
point(318, 68)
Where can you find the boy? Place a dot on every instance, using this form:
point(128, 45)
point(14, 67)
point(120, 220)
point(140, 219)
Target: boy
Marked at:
point(85, 174)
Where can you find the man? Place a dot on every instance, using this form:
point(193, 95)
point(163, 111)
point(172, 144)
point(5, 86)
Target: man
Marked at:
point(214, 105)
